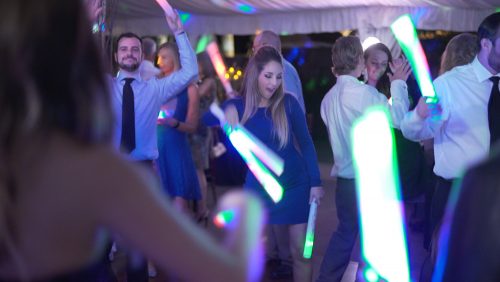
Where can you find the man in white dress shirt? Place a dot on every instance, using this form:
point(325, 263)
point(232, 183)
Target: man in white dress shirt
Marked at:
point(462, 130)
point(341, 106)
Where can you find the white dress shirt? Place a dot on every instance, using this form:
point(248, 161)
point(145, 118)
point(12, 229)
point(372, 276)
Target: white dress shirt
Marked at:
point(291, 83)
point(149, 95)
point(344, 103)
point(461, 135)
point(148, 70)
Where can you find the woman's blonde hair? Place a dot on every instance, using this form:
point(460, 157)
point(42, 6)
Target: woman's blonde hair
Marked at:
point(460, 51)
point(251, 93)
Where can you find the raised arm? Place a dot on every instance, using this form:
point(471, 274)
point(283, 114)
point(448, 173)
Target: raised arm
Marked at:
point(177, 81)
point(140, 214)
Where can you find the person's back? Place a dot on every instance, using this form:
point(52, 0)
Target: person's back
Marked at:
point(57, 204)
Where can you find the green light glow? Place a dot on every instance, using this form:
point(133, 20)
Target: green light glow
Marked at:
point(202, 43)
point(406, 35)
point(380, 208)
point(263, 175)
point(311, 222)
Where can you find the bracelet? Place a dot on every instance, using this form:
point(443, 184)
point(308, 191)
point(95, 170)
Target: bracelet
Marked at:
point(177, 124)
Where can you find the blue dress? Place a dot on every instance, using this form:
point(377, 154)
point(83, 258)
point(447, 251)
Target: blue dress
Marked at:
point(301, 170)
point(175, 162)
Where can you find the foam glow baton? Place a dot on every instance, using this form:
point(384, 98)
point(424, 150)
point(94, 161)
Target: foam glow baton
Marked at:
point(380, 208)
point(224, 218)
point(406, 35)
point(311, 223)
point(261, 151)
point(169, 11)
point(240, 143)
point(220, 67)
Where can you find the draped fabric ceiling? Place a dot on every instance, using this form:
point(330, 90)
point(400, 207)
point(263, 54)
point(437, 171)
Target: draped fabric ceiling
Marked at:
point(244, 17)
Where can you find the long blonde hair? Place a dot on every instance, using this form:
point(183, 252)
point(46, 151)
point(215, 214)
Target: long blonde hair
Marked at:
point(250, 92)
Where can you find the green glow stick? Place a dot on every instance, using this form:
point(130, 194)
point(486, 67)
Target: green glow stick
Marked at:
point(261, 151)
point(242, 143)
point(203, 43)
point(311, 222)
point(406, 35)
point(380, 208)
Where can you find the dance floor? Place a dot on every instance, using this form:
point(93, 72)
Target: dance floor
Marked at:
point(326, 224)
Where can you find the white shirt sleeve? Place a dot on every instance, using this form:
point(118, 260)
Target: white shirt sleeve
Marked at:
point(416, 128)
point(399, 102)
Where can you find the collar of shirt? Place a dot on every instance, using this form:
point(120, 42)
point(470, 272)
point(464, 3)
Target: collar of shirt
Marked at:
point(481, 72)
point(348, 78)
point(121, 76)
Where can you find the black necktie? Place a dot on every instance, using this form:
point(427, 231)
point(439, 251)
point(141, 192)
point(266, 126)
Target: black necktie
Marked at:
point(127, 142)
point(494, 111)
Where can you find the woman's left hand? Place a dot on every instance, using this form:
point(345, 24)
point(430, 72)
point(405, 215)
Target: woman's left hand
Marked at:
point(167, 121)
point(316, 194)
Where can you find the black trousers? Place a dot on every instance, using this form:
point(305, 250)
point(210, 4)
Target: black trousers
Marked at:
point(439, 201)
point(339, 249)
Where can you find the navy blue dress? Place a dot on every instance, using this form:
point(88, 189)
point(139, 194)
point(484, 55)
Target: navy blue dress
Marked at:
point(301, 170)
point(175, 162)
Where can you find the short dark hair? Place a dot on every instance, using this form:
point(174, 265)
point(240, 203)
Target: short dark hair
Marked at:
point(127, 35)
point(489, 28)
point(346, 52)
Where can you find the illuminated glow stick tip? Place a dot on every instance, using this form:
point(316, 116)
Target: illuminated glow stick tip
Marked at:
point(406, 35)
point(169, 11)
point(202, 43)
point(242, 143)
point(380, 209)
point(311, 223)
point(224, 218)
point(218, 63)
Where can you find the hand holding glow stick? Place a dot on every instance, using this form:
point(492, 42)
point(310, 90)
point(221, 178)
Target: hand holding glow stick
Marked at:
point(311, 223)
point(261, 151)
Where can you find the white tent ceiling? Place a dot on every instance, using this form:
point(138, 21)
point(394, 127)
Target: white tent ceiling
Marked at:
point(297, 16)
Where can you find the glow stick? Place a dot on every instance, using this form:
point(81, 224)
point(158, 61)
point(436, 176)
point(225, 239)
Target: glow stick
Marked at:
point(220, 67)
point(405, 33)
point(380, 207)
point(169, 11)
point(263, 175)
point(240, 143)
point(202, 43)
point(224, 218)
point(311, 223)
point(261, 151)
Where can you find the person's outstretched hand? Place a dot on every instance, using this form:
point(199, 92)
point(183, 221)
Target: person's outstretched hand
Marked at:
point(400, 70)
point(94, 9)
point(173, 19)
